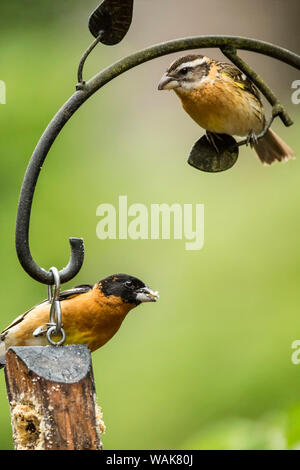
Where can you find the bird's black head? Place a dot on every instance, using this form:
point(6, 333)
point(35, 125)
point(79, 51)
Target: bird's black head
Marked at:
point(131, 289)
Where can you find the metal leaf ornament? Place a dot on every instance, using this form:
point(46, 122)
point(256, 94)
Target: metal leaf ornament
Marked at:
point(214, 158)
point(112, 19)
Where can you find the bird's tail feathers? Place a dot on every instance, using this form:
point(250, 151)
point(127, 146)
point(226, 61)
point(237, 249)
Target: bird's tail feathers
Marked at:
point(271, 148)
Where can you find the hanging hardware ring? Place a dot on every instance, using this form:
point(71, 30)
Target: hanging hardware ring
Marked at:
point(51, 331)
point(55, 316)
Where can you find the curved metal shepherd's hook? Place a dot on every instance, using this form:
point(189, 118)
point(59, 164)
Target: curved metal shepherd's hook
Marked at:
point(227, 44)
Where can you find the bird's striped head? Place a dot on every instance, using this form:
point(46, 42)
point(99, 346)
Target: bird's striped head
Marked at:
point(186, 73)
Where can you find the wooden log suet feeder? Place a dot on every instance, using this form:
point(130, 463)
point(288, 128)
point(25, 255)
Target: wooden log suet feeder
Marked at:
point(52, 398)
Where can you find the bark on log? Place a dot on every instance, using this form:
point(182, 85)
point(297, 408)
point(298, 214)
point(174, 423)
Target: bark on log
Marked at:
point(52, 398)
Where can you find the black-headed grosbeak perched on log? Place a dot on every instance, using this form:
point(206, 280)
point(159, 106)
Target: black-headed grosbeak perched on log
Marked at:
point(91, 314)
point(222, 100)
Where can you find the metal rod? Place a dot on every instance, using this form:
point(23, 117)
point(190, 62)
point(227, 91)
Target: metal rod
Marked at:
point(71, 106)
point(25, 204)
point(85, 56)
point(200, 42)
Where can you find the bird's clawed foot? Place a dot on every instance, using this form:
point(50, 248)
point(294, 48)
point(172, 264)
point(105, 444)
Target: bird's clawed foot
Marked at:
point(252, 139)
point(213, 140)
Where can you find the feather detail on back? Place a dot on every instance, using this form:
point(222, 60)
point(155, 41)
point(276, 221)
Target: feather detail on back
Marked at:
point(239, 78)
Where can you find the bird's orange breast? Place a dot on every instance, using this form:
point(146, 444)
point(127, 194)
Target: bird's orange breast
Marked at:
point(221, 107)
point(94, 320)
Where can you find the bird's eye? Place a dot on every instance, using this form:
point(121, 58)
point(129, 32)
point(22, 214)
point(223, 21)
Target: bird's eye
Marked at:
point(184, 71)
point(128, 284)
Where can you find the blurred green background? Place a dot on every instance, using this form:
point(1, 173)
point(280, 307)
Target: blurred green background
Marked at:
point(209, 365)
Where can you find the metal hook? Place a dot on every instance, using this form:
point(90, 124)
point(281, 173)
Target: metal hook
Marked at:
point(24, 211)
point(55, 316)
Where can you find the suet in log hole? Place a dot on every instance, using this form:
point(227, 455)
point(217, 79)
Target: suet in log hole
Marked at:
point(28, 425)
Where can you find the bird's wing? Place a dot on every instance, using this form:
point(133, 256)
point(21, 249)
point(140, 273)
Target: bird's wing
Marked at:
point(240, 79)
point(67, 294)
point(82, 289)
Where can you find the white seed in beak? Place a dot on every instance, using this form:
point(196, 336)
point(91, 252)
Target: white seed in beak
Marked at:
point(147, 295)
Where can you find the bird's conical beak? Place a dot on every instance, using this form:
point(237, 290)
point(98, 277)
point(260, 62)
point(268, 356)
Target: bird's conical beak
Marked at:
point(167, 83)
point(146, 295)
